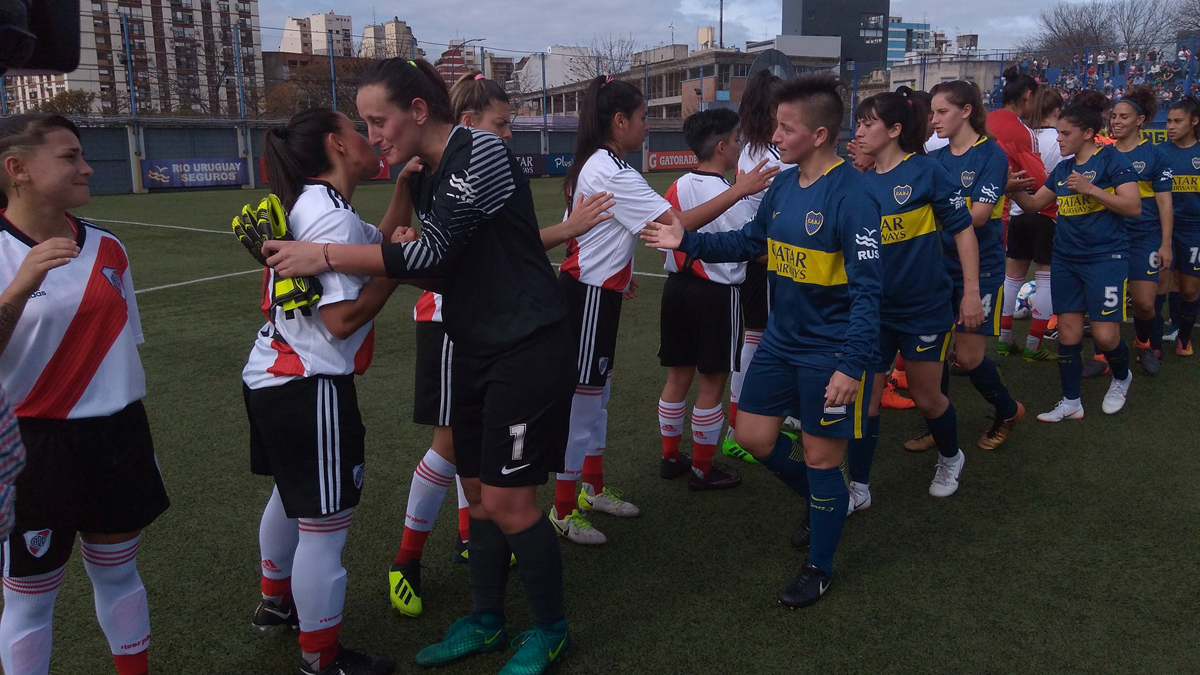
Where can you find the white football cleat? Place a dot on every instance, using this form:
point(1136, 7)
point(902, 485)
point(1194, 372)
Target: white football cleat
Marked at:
point(577, 528)
point(945, 480)
point(1062, 411)
point(1114, 400)
point(860, 497)
point(608, 501)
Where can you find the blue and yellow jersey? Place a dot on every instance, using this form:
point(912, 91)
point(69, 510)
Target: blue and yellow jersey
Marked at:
point(1153, 175)
point(1185, 190)
point(982, 174)
point(1087, 229)
point(918, 200)
point(822, 245)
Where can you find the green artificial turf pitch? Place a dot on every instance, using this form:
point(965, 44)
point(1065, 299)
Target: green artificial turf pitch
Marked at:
point(1072, 549)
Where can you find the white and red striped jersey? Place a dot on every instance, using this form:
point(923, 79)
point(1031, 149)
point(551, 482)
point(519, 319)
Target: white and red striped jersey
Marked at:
point(691, 190)
point(428, 308)
point(74, 351)
point(301, 346)
point(604, 256)
point(750, 159)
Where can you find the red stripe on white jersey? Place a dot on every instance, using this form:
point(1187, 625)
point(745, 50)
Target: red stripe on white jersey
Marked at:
point(428, 308)
point(102, 315)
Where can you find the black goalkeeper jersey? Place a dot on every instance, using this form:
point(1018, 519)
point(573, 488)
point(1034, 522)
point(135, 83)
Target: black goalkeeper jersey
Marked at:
point(479, 233)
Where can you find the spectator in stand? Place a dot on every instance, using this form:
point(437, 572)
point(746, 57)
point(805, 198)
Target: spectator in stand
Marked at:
point(1122, 60)
point(1101, 63)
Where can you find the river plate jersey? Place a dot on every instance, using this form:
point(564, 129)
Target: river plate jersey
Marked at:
point(1087, 230)
point(822, 243)
point(1153, 175)
point(918, 200)
point(982, 173)
point(1185, 170)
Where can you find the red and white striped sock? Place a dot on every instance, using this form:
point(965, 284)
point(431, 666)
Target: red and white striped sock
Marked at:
point(319, 585)
point(706, 433)
point(464, 513)
point(120, 602)
point(670, 426)
point(25, 627)
point(431, 479)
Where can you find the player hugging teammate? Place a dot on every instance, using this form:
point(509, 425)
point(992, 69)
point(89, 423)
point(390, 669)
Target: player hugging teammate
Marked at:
point(305, 427)
point(69, 333)
point(819, 226)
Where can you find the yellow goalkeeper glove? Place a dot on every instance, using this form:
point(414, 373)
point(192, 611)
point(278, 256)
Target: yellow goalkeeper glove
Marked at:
point(255, 226)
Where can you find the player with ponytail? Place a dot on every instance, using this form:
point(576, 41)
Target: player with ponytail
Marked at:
point(918, 202)
point(1150, 232)
point(980, 169)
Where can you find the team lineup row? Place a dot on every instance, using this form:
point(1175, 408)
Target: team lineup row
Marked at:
point(833, 267)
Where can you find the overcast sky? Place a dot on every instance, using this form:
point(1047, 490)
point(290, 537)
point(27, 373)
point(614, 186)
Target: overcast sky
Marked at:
point(532, 25)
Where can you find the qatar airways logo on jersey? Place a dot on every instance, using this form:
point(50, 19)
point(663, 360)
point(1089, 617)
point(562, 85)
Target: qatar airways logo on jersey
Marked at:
point(1185, 183)
point(114, 278)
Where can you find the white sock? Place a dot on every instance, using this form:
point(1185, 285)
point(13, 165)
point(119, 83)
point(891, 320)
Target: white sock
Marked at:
point(706, 425)
point(431, 479)
point(587, 406)
point(749, 346)
point(277, 539)
point(25, 627)
point(1073, 403)
point(120, 596)
point(671, 417)
point(318, 578)
point(599, 440)
point(1012, 286)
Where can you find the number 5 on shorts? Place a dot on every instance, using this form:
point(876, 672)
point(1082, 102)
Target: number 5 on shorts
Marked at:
point(1111, 298)
point(517, 431)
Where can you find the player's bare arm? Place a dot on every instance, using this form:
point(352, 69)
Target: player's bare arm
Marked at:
point(42, 258)
point(971, 308)
point(749, 183)
point(667, 234)
point(1166, 217)
point(586, 214)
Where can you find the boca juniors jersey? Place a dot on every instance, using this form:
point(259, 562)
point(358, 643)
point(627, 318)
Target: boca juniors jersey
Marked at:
point(73, 354)
point(982, 172)
point(822, 244)
point(1153, 175)
point(691, 190)
point(300, 345)
point(604, 256)
point(1185, 193)
point(918, 201)
point(1088, 230)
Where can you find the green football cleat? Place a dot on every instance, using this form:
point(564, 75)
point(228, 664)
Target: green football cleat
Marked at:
point(404, 588)
point(1007, 348)
point(731, 449)
point(466, 637)
point(1041, 354)
point(537, 650)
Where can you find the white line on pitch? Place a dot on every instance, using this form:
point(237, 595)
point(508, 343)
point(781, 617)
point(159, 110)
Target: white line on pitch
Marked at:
point(195, 281)
point(169, 227)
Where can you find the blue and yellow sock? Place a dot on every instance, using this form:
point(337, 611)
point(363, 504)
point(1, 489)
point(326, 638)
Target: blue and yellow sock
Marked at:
point(1118, 360)
point(860, 452)
point(944, 429)
point(1070, 370)
point(827, 504)
point(786, 461)
point(986, 379)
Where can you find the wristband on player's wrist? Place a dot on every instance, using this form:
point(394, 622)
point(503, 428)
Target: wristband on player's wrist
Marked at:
point(325, 252)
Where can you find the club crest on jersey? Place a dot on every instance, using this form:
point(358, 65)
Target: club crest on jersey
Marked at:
point(602, 364)
point(1139, 166)
point(1090, 175)
point(114, 278)
point(37, 542)
point(1196, 162)
point(813, 222)
point(902, 193)
point(358, 476)
point(968, 178)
